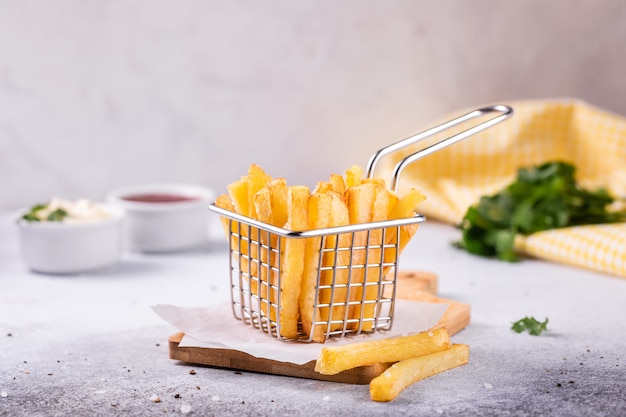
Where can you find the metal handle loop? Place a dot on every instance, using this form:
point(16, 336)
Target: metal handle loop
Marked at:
point(504, 113)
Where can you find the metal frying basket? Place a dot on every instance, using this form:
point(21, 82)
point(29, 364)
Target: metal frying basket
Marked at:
point(357, 265)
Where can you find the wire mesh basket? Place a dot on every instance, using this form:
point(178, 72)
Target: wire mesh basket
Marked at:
point(356, 266)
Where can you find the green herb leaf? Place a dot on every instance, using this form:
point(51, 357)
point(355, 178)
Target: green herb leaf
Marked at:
point(530, 324)
point(542, 197)
point(31, 216)
point(57, 215)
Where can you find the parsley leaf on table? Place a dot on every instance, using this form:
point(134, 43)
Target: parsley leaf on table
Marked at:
point(542, 197)
point(531, 324)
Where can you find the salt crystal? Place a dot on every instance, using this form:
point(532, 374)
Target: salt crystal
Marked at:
point(438, 411)
point(431, 334)
point(216, 398)
point(4, 394)
point(488, 385)
point(185, 408)
point(100, 391)
point(155, 398)
point(326, 398)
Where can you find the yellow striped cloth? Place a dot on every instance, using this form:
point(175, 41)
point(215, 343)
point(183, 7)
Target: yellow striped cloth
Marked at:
point(592, 139)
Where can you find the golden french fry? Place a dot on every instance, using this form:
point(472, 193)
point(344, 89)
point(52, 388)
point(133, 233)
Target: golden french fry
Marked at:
point(383, 199)
point(256, 180)
point(376, 181)
point(338, 183)
point(292, 259)
point(264, 213)
point(324, 187)
point(326, 209)
point(263, 206)
point(278, 192)
point(354, 174)
point(224, 201)
point(391, 382)
point(405, 208)
point(238, 191)
point(360, 199)
point(333, 360)
point(340, 260)
point(320, 206)
point(278, 199)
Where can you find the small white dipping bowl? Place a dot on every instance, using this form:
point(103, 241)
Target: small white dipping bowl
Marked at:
point(163, 217)
point(71, 248)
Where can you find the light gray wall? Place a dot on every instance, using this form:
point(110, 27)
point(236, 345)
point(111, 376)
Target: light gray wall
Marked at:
point(99, 94)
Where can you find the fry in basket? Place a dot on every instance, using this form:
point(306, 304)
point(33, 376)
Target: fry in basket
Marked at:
point(338, 183)
point(405, 208)
point(384, 203)
point(271, 208)
point(391, 382)
point(256, 180)
point(224, 201)
point(326, 209)
point(333, 360)
point(259, 285)
point(360, 200)
point(241, 245)
point(242, 195)
point(292, 258)
point(354, 174)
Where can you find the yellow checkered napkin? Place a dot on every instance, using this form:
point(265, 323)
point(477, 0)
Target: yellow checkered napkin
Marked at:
point(539, 131)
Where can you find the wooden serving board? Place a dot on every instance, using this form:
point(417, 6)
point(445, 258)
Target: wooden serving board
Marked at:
point(411, 285)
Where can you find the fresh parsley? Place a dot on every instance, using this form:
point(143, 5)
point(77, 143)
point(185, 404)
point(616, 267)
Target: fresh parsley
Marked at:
point(542, 197)
point(530, 324)
point(31, 216)
point(55, 216)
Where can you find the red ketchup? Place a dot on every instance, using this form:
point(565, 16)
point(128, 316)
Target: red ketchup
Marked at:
point(159, 198)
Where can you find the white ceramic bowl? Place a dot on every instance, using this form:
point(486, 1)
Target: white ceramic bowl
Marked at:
point(163, 226)
point(71, 248)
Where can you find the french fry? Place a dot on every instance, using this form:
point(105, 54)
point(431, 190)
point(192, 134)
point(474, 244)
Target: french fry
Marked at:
point(238, 191)
point(339, 184)
point(354, 174)
point(339, 276)
point(264, 213)
point(383, 200)
point(320, 206)
point(404, 208)
point(326, 209)
point(256, 180)
point(293, 261)
point(360, 199)
point(224, 201)
point(391, 382)
point(333, 360)
point(263, 206)
point(278, 198)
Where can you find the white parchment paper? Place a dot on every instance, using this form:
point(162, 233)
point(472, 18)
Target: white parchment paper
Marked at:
point(216, 327)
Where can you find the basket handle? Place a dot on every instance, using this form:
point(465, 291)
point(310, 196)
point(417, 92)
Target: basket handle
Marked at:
point(504, 112)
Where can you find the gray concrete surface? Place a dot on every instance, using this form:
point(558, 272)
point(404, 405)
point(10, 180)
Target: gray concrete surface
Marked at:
point(90, 345)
